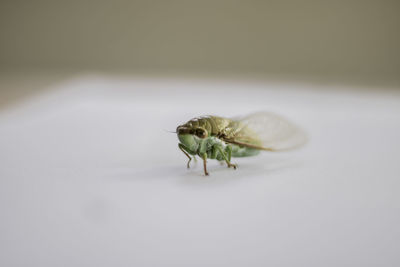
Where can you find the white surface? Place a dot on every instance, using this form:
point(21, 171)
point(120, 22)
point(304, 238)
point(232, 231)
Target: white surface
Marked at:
point(90, 177)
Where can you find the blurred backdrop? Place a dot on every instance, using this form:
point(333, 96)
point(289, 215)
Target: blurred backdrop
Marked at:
point(335, 40)
point(90, 175)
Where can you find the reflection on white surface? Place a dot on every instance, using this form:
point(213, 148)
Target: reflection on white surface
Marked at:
point(90, 177)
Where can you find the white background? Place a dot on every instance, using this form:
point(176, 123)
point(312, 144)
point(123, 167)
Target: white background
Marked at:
point(89, 176)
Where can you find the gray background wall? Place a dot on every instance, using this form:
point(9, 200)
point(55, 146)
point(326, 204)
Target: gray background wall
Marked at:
point(303, 38)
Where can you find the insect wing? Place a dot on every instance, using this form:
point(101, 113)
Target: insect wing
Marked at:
point(272, 131)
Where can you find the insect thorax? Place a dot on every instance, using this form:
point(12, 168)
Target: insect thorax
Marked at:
point(215, 126)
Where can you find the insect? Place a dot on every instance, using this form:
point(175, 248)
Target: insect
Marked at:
point(213, 137)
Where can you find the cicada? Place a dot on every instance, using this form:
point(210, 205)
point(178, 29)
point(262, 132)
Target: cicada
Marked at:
point(213, 137)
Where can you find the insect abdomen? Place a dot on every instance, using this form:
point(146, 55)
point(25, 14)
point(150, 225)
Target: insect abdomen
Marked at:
point(239, 152)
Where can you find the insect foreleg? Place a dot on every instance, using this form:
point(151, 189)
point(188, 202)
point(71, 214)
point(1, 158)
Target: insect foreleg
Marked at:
point(183, 148)
point(204, 157)
point(226, 156)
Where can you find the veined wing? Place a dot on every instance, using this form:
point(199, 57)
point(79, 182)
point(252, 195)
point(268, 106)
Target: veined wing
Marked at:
point(266, 131)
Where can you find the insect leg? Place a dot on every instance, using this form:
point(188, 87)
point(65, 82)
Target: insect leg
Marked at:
point(227, 158)
point(229, 151)
point(182, 147)
point(204, 156)
point(214, 152)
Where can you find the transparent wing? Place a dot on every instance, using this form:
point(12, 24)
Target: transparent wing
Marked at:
point(273, 131)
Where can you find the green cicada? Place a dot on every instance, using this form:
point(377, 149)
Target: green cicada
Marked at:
point(212, 137)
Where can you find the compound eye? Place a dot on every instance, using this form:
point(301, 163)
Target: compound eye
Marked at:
point(181, 130)
point(201, 133)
